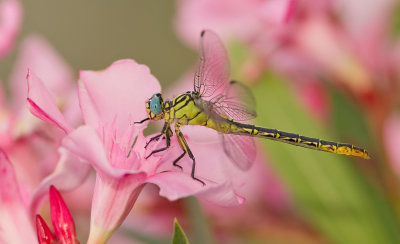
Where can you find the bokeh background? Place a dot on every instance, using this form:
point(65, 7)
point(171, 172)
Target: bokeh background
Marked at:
point(303, 196)
point(91, 35)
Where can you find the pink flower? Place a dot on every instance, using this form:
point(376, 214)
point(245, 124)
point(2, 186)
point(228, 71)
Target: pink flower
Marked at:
point(391, 137)
point(111, 101)
point(31, 144)
point(61, 219)
point(243, 20)
point(344, 42)
point(260, 24)
point(15, 224)
point(10, 23)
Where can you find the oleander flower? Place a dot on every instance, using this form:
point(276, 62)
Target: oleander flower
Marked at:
point(10, 24)
point(30, 143)
point(111, 101)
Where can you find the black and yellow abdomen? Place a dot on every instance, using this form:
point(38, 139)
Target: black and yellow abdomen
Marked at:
point(296, 139)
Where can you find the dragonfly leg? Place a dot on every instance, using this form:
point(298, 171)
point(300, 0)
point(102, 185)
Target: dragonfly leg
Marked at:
point(142, 121)
point(166, 131)
point(179, 158)
point(186, 149)
point(154, 138)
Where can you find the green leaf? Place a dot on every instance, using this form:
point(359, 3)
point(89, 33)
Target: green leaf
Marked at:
point(201, 232)
point(327, 188)
point(141, 237)
point(347, 119)
point(179, 236)
point(396, 19)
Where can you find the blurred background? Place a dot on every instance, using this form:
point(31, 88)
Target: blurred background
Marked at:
point(326, 69)
point(93, 35)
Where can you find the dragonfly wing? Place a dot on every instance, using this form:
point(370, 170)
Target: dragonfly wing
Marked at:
point(240, 149)
point(237, 102)
point(212, 72)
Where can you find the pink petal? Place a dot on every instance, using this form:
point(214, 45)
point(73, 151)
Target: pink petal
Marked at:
point(325, 45)
point(61, 218)
point(9, 187)
point(314, 98)
point(85, 143)
point(176, 185)
point(44, 234)
point(368, 28)
point(277, 11)
point(10, 23)
point(15, 224)
point(232, 19)
point(392, 140)
point(112, 201)
point(69, 174)
point(37, 55)
point(228, 18)
point(116, 95)
point(42, 104)
point(359, 15)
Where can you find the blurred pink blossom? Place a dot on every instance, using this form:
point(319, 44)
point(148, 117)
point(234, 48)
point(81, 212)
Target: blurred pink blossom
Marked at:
point(61, 219)
point(30, 143)
point(392, 140)
point(10, 24)
point(111, 101)
point(260, 24)
point(340, 41)
point(15, 224)
point(248, 21)
point(314, 98)
point(333, 40)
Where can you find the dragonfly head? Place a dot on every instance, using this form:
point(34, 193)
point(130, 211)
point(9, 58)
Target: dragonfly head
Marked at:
point(155, 107)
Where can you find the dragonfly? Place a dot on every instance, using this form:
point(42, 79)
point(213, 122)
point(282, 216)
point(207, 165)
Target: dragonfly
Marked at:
point(218, 103)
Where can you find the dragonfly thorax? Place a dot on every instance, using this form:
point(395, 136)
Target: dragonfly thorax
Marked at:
point(155, 107)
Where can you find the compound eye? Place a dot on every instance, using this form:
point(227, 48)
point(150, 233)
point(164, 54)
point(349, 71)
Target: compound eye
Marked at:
point(155, 105)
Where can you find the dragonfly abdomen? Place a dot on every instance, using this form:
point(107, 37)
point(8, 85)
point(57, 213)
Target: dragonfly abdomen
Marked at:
point(297, 140)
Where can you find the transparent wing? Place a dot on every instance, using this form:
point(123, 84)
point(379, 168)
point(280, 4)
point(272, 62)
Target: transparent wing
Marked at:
point(230, 99)
point(212, 72)
point(240, 149)
point(236, 102)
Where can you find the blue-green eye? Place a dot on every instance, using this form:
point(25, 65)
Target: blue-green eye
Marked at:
point(155, 105)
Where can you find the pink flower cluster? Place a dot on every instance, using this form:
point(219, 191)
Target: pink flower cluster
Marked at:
point(78, 128)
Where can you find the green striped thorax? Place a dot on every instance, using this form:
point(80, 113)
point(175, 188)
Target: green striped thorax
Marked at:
point(155, 107)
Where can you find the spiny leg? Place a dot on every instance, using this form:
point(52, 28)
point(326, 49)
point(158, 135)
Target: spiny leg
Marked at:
point(175, 163)
point(167, 132)
point(154, 138)
point(186, 149)
point(142, 121)
point(166, 129)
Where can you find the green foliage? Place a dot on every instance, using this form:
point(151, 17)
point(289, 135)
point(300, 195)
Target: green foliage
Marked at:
point(396, 19)
point(179, 236)
point(201, 232)
point(347, 120)
point(327, 189)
